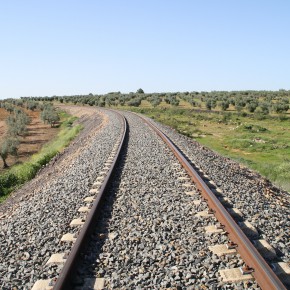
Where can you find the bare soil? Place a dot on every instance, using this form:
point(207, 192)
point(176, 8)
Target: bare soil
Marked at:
point(37, 135)
point(78, 111)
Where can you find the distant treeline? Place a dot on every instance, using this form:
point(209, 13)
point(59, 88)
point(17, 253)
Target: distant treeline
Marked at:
point(263, 102)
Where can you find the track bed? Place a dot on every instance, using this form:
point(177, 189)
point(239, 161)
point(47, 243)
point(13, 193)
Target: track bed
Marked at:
point(152, 229)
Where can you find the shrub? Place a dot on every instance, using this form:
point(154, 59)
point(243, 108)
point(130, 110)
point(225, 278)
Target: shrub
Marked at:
point(253, 128)
point(135, 102)
point(7, 180)
point(280, 108)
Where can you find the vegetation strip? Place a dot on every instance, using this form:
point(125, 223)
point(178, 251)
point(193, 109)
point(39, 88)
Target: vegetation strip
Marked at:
point(19, 174)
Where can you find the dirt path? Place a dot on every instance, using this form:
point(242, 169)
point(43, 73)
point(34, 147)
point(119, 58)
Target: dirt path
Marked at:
point(78, 111)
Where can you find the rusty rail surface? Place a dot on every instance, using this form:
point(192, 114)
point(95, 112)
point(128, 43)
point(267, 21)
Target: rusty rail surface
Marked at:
point(65, 279)
point(262, 272)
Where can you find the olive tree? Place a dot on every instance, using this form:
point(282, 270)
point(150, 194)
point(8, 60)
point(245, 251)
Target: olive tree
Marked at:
point(31, 105)
point(8, 147)
point(208, 104)
point(49, 115)
point(224, 105)
point(280, 107)
point(251, 107)
point(135, 102)
point(17, 123)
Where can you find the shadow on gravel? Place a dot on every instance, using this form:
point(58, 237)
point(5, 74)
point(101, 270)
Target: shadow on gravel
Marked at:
point(93, 248)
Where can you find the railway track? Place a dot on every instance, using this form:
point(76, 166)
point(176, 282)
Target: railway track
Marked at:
point(115, 194)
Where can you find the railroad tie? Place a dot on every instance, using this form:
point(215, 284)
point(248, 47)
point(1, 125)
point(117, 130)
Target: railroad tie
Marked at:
point(89, 199)
point(68, 238)
point(43, 285)
point(204, 214)
point(92, 284)
point(57, 259)
point(222, 250)
point(249, 229)
point(77, 222)
point(265, 249)
point(282, 270)
point(214, 229)
point(234, 275)
point(235, 213)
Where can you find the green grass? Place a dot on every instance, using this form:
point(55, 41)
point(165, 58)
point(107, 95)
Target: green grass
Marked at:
point(260, 143)
point(21, 173)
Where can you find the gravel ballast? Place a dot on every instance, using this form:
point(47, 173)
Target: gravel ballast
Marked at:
point(31, 230)
point(148, 235)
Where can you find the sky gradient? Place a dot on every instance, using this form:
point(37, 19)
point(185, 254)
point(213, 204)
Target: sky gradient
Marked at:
point(69, 47)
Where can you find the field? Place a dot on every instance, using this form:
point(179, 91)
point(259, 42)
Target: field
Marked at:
point(38, 134)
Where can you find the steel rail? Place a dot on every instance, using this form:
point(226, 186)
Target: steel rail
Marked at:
point(262, 272)
point(65, 278)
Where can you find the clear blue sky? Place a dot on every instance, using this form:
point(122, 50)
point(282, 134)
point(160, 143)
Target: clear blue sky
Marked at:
point(67, 47)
